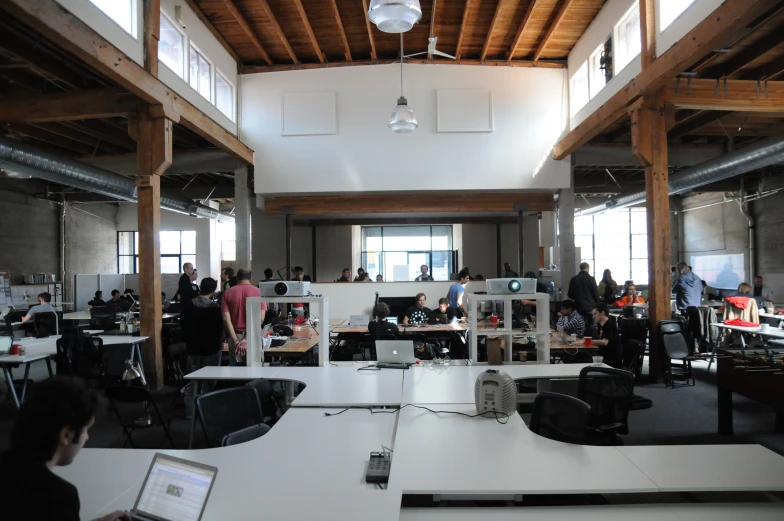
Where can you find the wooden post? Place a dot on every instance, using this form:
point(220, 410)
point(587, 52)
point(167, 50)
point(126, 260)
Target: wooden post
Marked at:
point(153, 157)
point(649, 145)
point(647, 32)
point(152, 34)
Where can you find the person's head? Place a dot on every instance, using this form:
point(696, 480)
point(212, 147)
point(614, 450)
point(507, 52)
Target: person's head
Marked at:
point(479, 276)
point(529, 275)
point(423, 269)
point(379, 278)
point(207, 287)
point(421, 300)
point(704, 284)
point(631, 290)
point(347, 272)
point(365, 277)
point(744, 289)
point(683, 268)
point(267, 273)
point(443, 304)
point(360, 271)
point(227, 273)
point(299, 272)
point(381, 311)
point(757, 280)
point(567, 307)
point(584, 266)
point(52, 423)
point(243, 276)
point(187, 268)
point(601, 313)
point(464, 276)
point(98, 294)
point(607, 276)
point(672, 269)
point(194, 275)
point(163, 296)
point(45, 297)
point(507, 266)
point(115, 294)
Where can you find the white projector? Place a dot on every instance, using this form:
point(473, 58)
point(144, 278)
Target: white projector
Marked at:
point(284, 288)
point(511, 286)
point(495, 391)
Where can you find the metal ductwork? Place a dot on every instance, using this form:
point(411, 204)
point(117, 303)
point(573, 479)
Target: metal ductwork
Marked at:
point(769, 151)
point(27, 159)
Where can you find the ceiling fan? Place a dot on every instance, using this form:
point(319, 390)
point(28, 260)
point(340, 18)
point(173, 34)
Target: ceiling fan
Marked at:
point(431, 49)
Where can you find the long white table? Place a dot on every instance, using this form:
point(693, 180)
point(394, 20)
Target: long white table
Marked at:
point(85, 315)
point(771, 331)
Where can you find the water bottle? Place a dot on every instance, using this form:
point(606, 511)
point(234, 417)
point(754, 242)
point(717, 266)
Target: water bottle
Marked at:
point(290, 322)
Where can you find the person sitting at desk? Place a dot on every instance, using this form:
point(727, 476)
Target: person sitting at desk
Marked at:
point(761, 291)
point(128, 295)
point(451, 313)
point(98, 300)
point(164, 301)
point(383, 326)
point(508, 273)
point(43, 306)
point(118, 304)
point(570, 321)
point(50, 430)
point(424, 276)
point(379, 278)
point(606, 337)
point(417, 314)
point(630, 297)
point(346, 276)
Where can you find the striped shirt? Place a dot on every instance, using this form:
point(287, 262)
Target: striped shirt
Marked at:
point(573, 324)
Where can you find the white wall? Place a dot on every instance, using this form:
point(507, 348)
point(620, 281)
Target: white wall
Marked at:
point(106, 27)
point(529, 111)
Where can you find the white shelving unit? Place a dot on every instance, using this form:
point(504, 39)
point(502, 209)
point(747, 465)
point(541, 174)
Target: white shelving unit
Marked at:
point(319, 307)
point(542, 331)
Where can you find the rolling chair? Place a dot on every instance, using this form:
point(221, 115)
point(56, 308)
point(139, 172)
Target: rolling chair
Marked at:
point(246, 434)
point(47, 323)
point(226, 411)
point(677, 349)
point(560, 417)
point(609, 393)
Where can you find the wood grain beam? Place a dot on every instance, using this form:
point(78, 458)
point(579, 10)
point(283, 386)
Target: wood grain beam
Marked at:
point(278, 30)
point(339, 22)
point(247, 29)
point(738, 96)
point(373, 55)
point(647, 32)
point(696, 122)
point(217, 34)
point(66, 106)
point(463, 24)
point(490, 31)
point(65, 30)
point(309, 30)
point(550, 30)
point(43, 63)
point(741, 57)
point(769, 71)
point(725, 24)
point(104, 131)
point(151, 34)
point(543, 64)
point(47, 136)
point(521, 29)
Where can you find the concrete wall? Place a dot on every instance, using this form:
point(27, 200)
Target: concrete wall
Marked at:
point(90, 241)
point(769, 215)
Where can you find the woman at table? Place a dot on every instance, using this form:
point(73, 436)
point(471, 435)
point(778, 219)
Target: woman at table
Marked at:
point(608, 288)
point(382, 326)
point(417, 314)
point(630, 297)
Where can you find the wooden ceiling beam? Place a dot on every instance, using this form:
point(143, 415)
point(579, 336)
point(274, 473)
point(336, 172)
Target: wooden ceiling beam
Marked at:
point(66, 106)
point(553, 27)
point(743, 56)
point(490, 31)
point(247, 29)
point(521, 29)
point(104, 131)
point(278, 30)
point(373, 55)
point(70, 33)
point(725, 24)
point(739, 95)
point(339, 22)
point(463, 25)
point(694, 123)
point(543, 64)
point(217, 34)
point(647, 32)
point(769, 71)
point(52, 138)
point(43, 63)
point(309, 30)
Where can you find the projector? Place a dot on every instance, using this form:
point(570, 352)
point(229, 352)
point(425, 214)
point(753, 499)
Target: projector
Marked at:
point(510, 286)
point(495, 391)
point(284, 288)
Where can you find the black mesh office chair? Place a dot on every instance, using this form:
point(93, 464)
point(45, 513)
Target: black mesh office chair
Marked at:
point(246, 434)
point(47, 323)
point(633, 351)
point(136, 409)
point(560, 417)
point(80, 355)
point(103, 318)
point(174, 353)
point(609, 393)
point(226, 411)
point(676, 346)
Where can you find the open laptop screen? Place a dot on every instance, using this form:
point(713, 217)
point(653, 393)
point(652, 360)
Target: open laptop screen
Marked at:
point(175, 489)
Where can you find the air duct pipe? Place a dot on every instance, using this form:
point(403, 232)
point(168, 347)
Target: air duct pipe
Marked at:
point(764, 153)
point(26, 159)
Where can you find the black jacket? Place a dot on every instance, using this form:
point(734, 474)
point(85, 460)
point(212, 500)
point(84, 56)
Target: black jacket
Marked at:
point(584, 291)
point(202, 327)
point(185, 289)
point(383, 328)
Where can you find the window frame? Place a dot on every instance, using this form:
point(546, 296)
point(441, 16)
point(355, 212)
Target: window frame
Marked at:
point(381, 253)
point(185, 43)
point(193, 47)
point(593, 72)
point(134, 18)
point(573, 109)
point(135, 254)
point(617, 68)
point(217, 73)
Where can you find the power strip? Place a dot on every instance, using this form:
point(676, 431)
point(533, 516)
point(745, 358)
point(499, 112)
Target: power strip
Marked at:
point(378, 468)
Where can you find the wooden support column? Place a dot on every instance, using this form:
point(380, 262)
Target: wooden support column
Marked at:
point(153, 156)
point(152, 34)
point(649, 145)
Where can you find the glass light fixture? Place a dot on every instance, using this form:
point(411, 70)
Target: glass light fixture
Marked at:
point(402, 120)
point(395, 16)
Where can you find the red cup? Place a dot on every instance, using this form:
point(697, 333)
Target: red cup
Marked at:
point(587, 341)
point(494, 319)
point(15, 349)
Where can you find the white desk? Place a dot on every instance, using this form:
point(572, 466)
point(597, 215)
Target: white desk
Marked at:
point(344, 387)
point(85, 315)
point(232, 373)
point(773, 332)
point(500, 459)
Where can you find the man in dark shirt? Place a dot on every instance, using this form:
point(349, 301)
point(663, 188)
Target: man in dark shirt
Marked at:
point(424, 275)
point(451, 313)
point(606, 336)
point(417, 314)
point(584, 291)
point(382, 327)
point(118, 304)
point(508, 273)
point(50, 430)
point(184, 288)
point(346, 276)
point(98, 300)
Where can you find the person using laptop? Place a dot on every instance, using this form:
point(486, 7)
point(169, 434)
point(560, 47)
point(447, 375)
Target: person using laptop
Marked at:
point(451, 313)
point(98, 300)
point(43, 306)
point(51, 428)
point(383, 326)
point(418, 313)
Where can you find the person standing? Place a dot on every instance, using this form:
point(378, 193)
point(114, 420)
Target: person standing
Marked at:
point(608, 288)
point(761, 291)
point(457, 290)
point(185, 290)
point(227, 274)
point(233, 308)
point(424, 276)
point(583, 290)
point(687, 288)
point(508, 273)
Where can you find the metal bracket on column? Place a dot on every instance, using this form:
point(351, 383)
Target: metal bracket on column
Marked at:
point(147, 181)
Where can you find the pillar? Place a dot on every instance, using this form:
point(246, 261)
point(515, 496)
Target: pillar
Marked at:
point(531, 253)
point(568, 265)
point(242, 217)
point(547, 239)
point(520, 209)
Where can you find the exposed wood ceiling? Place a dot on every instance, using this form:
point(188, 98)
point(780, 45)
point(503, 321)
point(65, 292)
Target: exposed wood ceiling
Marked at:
point(282, 34)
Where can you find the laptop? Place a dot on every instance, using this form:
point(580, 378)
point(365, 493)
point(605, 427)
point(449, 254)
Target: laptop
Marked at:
point(437, 318)
point(174, 490)
point(392, 320)
point(359, 320)
point(395, 354)
point(5, 345)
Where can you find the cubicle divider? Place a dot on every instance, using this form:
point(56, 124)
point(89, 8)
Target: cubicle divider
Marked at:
point(85, 286)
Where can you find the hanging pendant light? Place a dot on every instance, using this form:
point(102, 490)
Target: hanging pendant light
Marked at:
point(402, 120)
point(395, 16)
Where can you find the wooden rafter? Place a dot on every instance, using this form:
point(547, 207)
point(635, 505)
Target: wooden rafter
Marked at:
point(695, 122)
point(745, 55)
point(278, 30)
point(53, 138)
point(726, 23)
point(373, 55)
point(339, 22)
point(463, 25)
point(65, 106)
point(490, 31)
point(647, 32)
point(769, 71)
point(309, 30)
point(544, 64)
point(247, 29)
point(43, 63)
point(151, 35)
point(521, 29)
point(104, 131)
point(551, 30)
point(735, 96)
point(208, 24)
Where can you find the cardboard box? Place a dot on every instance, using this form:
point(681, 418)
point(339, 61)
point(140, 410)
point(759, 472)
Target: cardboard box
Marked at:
point(494, 351)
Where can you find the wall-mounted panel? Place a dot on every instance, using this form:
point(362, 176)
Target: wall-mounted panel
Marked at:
point(308, 114)
point(465, 110)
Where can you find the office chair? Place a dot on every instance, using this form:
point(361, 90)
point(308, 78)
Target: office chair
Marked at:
point(246, 434)
point(609, 393)
point(136, 409)
point(47, 323)
point(677, 348)
point(226, 411)
point(560, 417)
point(80, 355)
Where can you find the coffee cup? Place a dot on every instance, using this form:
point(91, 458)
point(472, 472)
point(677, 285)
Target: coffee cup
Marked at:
point(763, 327)
point(587, 341)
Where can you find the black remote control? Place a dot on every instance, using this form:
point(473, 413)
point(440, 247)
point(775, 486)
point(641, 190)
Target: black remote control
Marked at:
point(378, 468)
